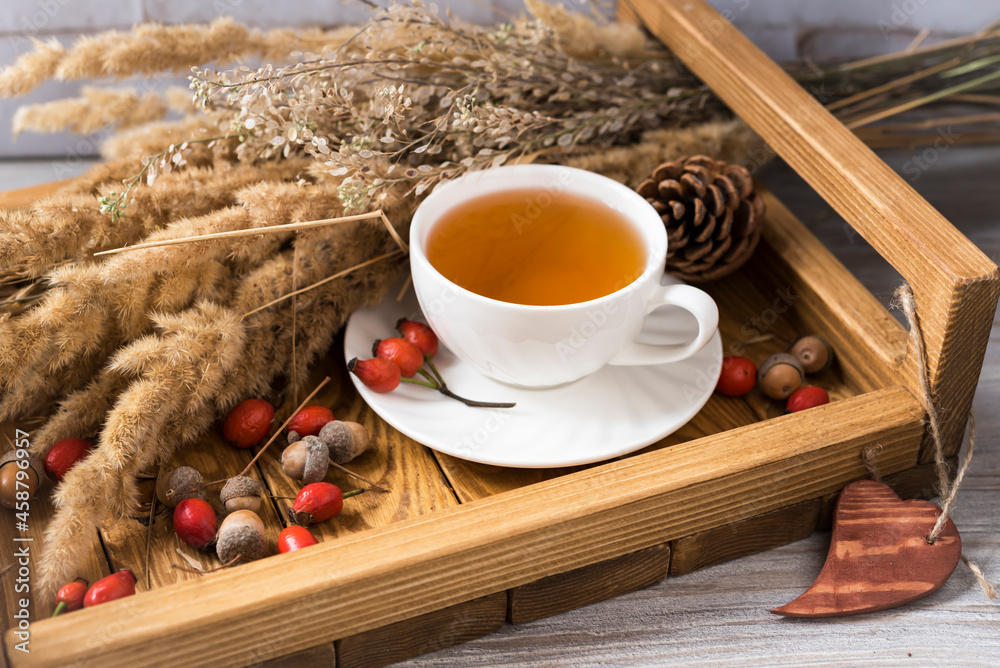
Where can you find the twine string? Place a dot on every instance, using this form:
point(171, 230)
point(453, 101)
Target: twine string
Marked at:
point(948, 491)
point(869, 457)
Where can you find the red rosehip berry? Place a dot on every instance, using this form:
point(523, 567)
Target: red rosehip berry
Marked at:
point(70, 596)
point(295, 538)
point(116, 585)
point(309, 420)
point(400, 352)
point(739, 376)
point(377, 374)
point(317, 502)
point(62, 456)
point(420, 335)
point(248, 423)
point(807, 397)
point(195, 522)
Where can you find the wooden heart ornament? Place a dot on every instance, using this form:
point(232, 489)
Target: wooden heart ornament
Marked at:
point(879, 556)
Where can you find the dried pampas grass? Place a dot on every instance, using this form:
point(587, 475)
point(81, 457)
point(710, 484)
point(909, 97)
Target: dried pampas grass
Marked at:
point(72, 226)
point(152, 48)
point(97, 108)
point(170, 403)
point(32, 68)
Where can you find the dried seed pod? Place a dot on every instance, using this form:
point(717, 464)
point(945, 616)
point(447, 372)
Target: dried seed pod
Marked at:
point(814, 353)
point(241, 493)
point(780, 375)
point(241, 538)
point(345, 440)
point(13, 471)
point(184, 482)
point(307, 460)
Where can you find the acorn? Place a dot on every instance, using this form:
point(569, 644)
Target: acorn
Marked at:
point(241, 538)
point(306, 460)
point(184, 482)
point(10, 475)
point(345, 440)
point(814, 353)
point(780, 375)
point(241, 493)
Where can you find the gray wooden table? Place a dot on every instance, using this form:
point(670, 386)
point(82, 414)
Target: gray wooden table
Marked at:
point(719, 616)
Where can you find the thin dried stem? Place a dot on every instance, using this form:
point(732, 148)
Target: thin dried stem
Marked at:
point(235, 234)
point(339, 274)
point(358, 476)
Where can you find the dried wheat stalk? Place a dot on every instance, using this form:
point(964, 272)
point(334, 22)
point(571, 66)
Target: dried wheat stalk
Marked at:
point(153, 48)
point(72, 226)
point(96, 109)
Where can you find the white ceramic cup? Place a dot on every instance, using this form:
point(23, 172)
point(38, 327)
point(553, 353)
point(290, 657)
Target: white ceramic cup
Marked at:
point(541, 346)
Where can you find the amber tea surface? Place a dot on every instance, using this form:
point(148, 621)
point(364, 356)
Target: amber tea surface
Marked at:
point(531, 246)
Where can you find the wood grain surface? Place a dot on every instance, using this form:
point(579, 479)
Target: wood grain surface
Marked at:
point(321, 656)
point(587, 585)
point(749, 536)
point(426, 633)
point(879, 556)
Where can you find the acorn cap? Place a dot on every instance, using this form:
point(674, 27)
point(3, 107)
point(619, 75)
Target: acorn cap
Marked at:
point(240, 487)
point(184, 482)
point(345, 440)
point(36, 464)
point(241, 535)
point(317, 460)
point(780, 375)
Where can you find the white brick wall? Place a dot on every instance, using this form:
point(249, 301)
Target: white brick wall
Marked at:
point(785, 29)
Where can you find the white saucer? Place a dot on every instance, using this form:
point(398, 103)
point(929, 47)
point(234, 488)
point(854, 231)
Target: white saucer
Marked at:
point(617, 410)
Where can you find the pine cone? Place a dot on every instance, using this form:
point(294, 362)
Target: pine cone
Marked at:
point(712, 214)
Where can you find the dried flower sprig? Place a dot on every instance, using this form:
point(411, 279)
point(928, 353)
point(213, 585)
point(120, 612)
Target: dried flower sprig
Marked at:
point(453, 98)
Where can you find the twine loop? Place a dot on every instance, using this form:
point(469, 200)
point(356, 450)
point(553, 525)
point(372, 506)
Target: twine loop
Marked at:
point(946, 489)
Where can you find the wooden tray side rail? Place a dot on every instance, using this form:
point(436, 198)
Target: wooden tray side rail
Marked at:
point(956, 286)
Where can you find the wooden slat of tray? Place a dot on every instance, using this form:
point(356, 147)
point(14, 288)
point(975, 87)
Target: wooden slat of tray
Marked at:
point(424, 563)
point(23, 198)
point(407, 469)
point(870, 343)
point(94, 567)
point(749, 536)
point(427, 633)
point(567, 591)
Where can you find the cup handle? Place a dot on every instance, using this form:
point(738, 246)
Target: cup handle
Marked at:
point(690, 299)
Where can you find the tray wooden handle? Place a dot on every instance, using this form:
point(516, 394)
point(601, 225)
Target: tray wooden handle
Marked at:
point(956, 286)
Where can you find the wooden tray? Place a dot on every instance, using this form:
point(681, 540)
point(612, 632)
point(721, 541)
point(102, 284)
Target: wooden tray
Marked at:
point(456, 549)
